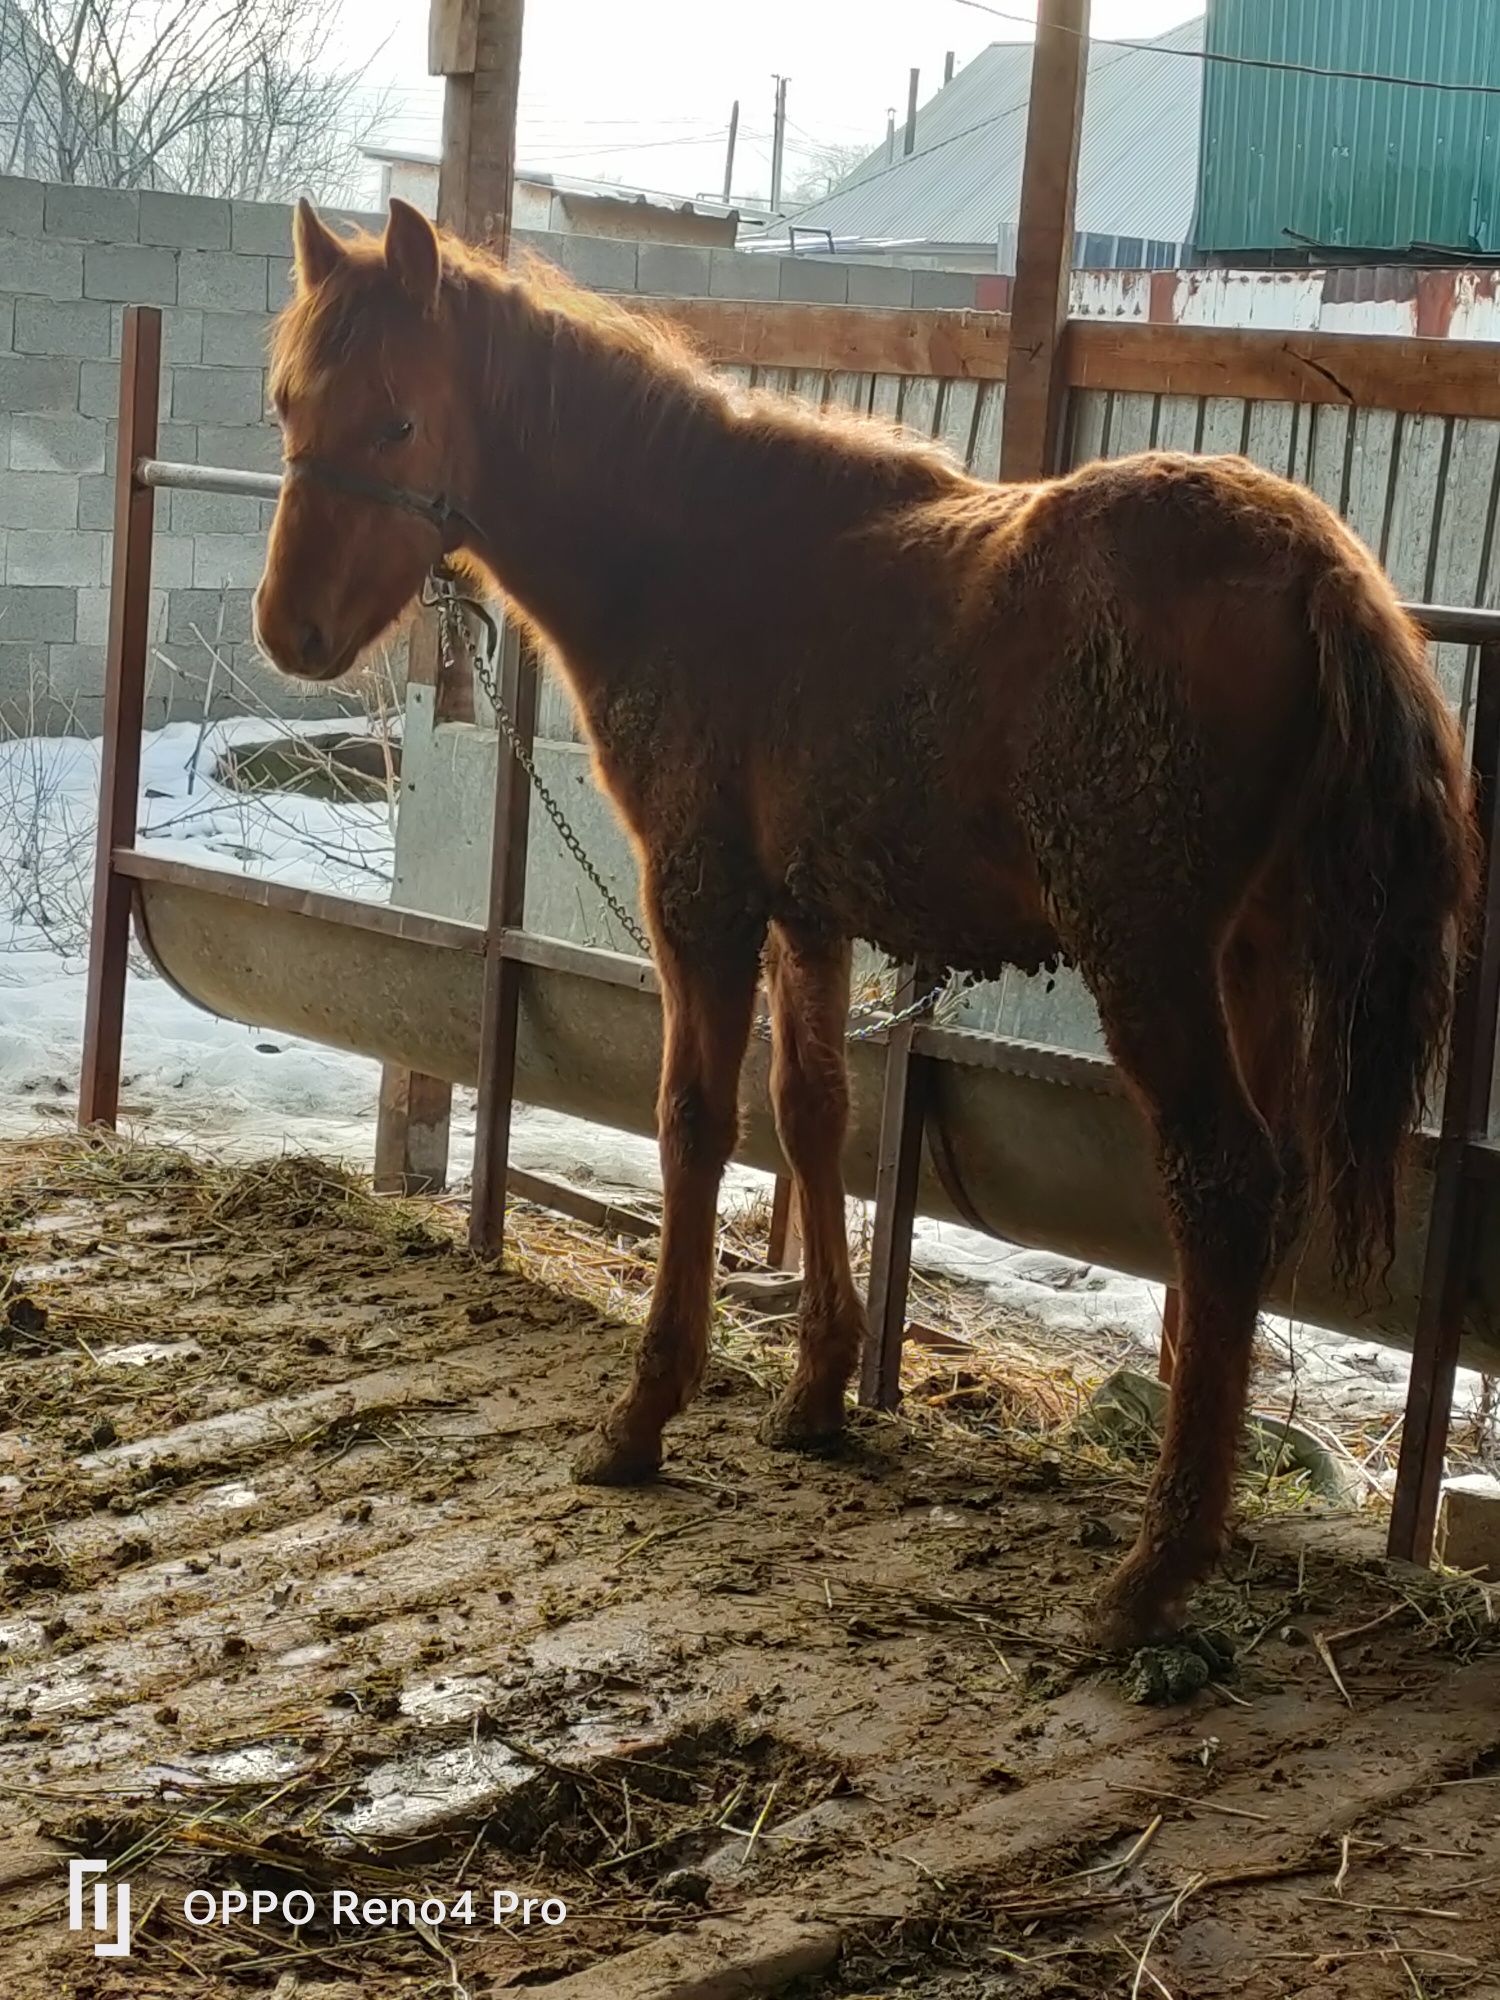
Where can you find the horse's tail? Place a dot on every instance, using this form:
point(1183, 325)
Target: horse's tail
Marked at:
point(1386, 864)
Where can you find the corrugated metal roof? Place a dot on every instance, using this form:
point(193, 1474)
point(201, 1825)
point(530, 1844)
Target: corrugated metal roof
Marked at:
point(1332, 161)
point(1138, 164)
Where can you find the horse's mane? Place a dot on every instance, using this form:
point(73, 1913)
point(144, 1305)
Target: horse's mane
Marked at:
point(539, 338)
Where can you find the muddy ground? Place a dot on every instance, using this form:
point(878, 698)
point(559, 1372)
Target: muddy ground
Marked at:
point(296, 1594)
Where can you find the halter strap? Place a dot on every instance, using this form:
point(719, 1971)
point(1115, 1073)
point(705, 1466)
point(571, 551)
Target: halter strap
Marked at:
point(436, 509)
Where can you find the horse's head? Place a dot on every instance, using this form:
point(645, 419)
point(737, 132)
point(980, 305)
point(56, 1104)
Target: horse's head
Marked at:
point(364, 378)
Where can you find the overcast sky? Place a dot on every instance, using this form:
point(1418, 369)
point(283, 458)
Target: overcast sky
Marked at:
point(640, 89)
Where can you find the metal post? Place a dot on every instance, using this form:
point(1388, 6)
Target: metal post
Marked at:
point(124, 712)
point(1447, 1260)
point(734, 133)
point(897, 1162)
point(500, 1012)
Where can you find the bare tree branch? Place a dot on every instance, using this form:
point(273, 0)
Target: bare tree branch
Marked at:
point(225, 97)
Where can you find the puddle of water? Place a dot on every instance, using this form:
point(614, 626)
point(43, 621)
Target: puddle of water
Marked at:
point(305, 1656)
point(423, 1792)
point(438, 1702)
point(141, 1353)
point(256, 1763)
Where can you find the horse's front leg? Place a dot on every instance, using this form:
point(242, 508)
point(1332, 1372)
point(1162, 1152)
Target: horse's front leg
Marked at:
point(708, 976)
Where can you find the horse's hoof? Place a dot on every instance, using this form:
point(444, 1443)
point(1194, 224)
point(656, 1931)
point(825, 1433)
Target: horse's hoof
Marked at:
point(1136, 1610)
point(798, 1424)
point(600, 1461)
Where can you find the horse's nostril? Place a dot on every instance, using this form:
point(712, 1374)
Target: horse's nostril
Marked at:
point(314, 647)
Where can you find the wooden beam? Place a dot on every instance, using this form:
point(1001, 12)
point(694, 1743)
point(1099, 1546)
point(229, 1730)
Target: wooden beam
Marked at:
point(475, 45)
point(858, 339)
point(1455, 378)
point(1448, 1259)
point(124, 713)
point(1035, 386)
point(898, 1160)
point(411, 1132)
point(500, 1012)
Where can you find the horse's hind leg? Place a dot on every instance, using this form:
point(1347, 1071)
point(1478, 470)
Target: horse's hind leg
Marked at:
point(808, 978)
point(1165, 1023)
point(1261, 999)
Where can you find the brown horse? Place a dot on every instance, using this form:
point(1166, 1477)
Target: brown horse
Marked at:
point(1163, 718)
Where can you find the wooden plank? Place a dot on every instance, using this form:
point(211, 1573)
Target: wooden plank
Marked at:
point(1462, 549)
point(919, 406)
point(984, 459)
point(956, 417)
point(1037, 377)
point(863, 340)
point(1223, 426)
point(1328, 451)
point(1372, 454)
point(1131, 423)
point(1088, 426)
point(1356, 370)
point(452, 37)
point(848, 390)
point(885, 397)
point(1417, 504)
point(1177, 423)
point(124, 711)
point(1271, 435)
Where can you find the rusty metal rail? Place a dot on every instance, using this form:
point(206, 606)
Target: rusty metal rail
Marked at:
point(914, 1055)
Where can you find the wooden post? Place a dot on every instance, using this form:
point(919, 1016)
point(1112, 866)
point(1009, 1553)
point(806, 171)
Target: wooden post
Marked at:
point(124, 712)
point(475, 46)
point(784, 1237)
point(499, 1016)
point(1034, 388)
point(411, 1132)
point(1448, 1258)
point(902, 1108)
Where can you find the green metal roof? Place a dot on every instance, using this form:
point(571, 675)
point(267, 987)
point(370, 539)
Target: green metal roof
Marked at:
point(1292, 161)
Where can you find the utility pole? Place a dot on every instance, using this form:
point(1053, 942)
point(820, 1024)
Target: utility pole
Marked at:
point(911, 113)
point(778, 143)
point(734, 133)
point(890, 135)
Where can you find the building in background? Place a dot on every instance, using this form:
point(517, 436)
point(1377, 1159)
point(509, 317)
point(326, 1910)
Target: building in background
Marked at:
point(1300, 168)
point(953, 202)
point(570, 205)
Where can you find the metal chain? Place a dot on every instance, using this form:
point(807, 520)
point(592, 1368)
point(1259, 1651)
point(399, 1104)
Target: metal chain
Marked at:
point(453, 635)
point(452, 632)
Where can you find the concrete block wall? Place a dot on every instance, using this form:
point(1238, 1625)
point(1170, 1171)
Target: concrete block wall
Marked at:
point(71, 259)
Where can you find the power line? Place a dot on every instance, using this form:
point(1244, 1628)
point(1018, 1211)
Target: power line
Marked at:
point(1161, 48)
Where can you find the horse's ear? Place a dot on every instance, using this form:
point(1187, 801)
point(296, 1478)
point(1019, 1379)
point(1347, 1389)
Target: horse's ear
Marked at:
point(318, 250)
point(412, 255)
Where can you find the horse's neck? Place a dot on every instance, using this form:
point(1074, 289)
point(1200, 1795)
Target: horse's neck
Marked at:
point(590, 480)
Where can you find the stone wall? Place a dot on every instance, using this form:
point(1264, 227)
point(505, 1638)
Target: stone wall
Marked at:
point(71, 258)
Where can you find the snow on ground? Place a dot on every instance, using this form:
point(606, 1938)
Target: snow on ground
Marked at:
point(193, 1079)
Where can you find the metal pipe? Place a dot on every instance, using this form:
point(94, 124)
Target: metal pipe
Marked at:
point(207, 478)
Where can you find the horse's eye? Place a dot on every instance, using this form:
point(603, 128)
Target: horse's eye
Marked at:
point(395, 433)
